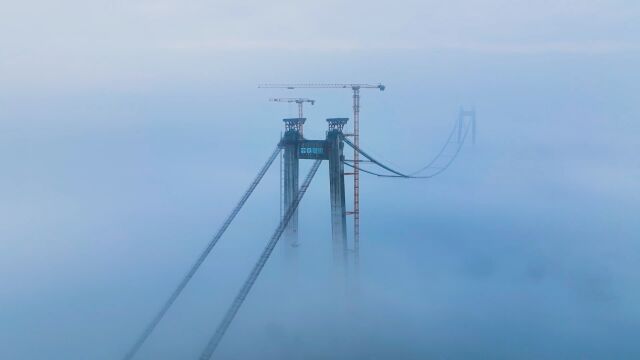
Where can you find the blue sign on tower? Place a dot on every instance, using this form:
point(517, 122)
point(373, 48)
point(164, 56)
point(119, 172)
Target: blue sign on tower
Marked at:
point(313, 149)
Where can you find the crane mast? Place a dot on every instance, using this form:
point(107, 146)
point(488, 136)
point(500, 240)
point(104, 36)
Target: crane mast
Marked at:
point(356, 137)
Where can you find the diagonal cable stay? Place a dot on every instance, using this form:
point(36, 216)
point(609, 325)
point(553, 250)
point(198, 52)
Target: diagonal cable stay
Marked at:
point(203, 255)
point(253, 276)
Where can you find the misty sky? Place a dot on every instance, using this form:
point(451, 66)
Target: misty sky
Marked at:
point(128, 130)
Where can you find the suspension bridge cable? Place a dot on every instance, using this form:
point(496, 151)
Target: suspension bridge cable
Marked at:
point(425, 167)
point(451, 160)
point(253, 276)
point(399, 174)
point(444, 147)
point(369, 171)
point(203, 255)
point(356, 148)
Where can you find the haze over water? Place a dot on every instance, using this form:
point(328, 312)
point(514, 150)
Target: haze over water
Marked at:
point(128, 130)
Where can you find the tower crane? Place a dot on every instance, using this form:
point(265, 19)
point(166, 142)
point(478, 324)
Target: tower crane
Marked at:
point(356, 139)
point(299, 101)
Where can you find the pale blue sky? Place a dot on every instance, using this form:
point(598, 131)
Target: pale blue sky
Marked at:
point(68, 44)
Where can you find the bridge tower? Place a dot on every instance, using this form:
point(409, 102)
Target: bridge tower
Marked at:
point(296, 147)
point(336, 189)
point(290, 143)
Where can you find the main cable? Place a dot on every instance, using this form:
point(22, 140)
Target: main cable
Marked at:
point(444, 147)
point(361, 152)
point(253, 276)
point(399, 174)
point(203, 255)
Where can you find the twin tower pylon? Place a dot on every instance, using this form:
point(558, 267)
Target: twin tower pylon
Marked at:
point(296, 147)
